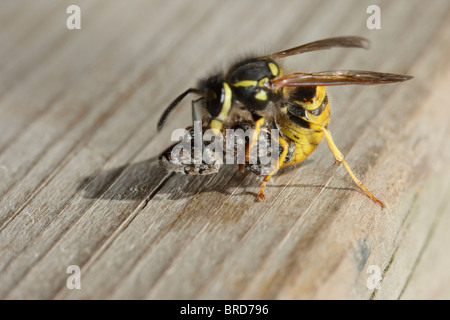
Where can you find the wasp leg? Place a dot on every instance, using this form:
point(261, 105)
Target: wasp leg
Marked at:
point(195, 115)
point(255, 136)
point(340, 158)
point(278, 164)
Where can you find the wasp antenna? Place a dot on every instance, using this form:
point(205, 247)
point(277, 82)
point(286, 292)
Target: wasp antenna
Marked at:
point(172, 106)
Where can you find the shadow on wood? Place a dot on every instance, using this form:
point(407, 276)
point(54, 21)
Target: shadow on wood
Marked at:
point(137, 182)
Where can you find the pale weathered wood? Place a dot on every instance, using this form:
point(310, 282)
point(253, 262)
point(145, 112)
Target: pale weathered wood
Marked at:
point(80, 183)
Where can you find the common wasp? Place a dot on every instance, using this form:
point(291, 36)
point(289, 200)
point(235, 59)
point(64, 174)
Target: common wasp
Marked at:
point(295, 103)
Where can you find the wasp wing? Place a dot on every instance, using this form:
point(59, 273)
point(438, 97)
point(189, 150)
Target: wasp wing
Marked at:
point(343, 42)
point(335, 78)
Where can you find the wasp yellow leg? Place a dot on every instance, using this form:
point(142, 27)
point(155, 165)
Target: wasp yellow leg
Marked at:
point(340, 158)
point(278, 164)
point(258, 124)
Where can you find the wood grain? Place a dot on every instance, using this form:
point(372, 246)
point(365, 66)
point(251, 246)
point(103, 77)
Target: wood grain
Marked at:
point(81, 185)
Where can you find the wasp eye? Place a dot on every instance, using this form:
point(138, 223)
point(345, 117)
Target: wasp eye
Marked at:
point(218, 103)
point(213, 102)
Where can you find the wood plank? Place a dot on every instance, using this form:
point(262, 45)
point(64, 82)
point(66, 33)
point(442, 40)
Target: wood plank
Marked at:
point(81, 184)
point(73, 170)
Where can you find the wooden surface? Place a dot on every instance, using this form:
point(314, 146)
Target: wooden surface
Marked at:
point(78, 143)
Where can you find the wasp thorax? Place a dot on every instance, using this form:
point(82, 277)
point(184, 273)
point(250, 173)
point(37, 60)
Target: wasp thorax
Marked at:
point(249, 81)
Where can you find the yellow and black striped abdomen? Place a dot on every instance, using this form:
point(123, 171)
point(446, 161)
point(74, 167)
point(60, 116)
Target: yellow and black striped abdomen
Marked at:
point(304, 112)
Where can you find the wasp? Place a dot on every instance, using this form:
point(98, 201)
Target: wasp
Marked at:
point(296, 103)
